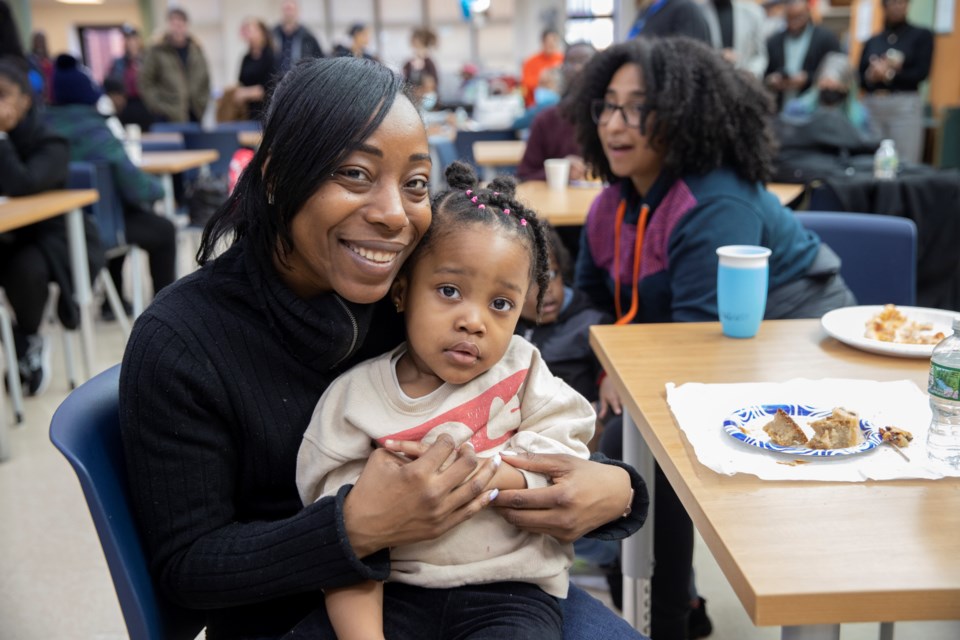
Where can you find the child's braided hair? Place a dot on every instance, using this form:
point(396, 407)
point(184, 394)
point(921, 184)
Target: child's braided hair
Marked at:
point(496, 206)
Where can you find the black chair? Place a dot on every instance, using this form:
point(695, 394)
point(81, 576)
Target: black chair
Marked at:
point(86, 430)
point(879, 253)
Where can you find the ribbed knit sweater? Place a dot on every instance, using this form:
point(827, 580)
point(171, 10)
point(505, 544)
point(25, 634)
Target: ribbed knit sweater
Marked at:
point(219, 380)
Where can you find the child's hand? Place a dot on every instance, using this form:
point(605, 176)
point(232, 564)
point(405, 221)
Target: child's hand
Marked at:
point(505, 477)
point(609, 399)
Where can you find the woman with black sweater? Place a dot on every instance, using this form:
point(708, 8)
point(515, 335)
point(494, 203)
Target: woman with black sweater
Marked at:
point(224, 369)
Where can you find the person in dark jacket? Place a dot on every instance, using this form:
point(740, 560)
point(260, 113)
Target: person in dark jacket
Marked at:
point(892, 65)
point(795, 54)
point(292, 40)
point(125, 70)
point(258, 69)
point(74, 115)
point(33, 159)
point(659, 18)
point(551, 133)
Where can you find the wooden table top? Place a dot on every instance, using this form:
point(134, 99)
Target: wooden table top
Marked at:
point(250, 138)
point(569, 207)
point(794, 552)
point(157, 162)
point(562, 207)
point(787, 193)
point(26, 210)
point(498, 153)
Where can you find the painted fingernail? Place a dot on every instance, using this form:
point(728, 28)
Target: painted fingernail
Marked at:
point(388, 443)
point(497, 460)
point(508, 453)
point(494, 494)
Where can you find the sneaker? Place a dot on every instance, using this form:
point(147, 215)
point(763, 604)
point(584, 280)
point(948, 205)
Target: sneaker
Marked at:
point(35, 365)
point(698, 624)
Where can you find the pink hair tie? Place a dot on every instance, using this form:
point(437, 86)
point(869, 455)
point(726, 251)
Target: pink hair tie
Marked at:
point(483, 206)
point(469, 191)
point(473, 199)
point(523, 222)
point(496, 193)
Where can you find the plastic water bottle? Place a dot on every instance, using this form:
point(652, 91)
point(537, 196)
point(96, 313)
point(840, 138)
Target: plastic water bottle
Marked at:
point(943, 439)
point(885, 161)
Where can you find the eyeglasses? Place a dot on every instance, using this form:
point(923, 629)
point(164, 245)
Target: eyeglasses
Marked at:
point(602, 111)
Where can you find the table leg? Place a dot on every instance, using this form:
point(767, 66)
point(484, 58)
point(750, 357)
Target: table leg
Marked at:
point(811, 632)
point(169, 202)
point(637, 550)
point(81, 285)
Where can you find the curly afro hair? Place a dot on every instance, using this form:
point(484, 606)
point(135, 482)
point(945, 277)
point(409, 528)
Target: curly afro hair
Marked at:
point(496, 206)
point(705, 114)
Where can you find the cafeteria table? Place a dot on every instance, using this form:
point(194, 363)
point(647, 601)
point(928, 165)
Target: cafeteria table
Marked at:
point(26, 210)
point(803, 555)
point(569, 207)
point(166, 163)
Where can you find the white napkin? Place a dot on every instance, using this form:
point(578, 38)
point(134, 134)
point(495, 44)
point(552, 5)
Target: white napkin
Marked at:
point(700, 410)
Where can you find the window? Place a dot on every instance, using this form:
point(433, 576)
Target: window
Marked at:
point(590, 21)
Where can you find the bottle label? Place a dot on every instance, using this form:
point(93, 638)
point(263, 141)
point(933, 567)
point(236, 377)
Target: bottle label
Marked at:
point(944, 382)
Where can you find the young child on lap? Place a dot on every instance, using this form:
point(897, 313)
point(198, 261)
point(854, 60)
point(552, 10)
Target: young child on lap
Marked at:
point(461, 372)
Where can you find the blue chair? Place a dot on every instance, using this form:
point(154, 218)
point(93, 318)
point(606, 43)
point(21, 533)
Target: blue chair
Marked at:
point(238, 125)
point(175, 127)
point(465, 140)
point(225, 142)
point(108, 214)
point(162, 145)
point(86, 430)
point(879, 253)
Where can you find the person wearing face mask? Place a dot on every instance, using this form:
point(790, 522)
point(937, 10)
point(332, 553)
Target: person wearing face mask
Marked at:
point(545, 95)
point(892, 65)
point(684, 142)
point(551, 132)
point(826, 131)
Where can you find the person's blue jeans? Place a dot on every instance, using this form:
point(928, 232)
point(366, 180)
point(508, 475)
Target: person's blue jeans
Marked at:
point(499, 611)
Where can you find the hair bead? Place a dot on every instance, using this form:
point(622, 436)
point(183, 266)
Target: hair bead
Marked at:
point(482, 206)
point(506, 212)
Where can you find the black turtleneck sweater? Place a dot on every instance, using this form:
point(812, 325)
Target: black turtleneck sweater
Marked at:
point(916, 44)
point(219, 380)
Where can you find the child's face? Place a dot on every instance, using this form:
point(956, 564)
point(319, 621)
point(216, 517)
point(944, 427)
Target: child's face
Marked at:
point(461, 301)
point(552, 298)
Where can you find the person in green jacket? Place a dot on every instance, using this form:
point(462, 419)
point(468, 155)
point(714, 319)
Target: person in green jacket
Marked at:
point(175, 79)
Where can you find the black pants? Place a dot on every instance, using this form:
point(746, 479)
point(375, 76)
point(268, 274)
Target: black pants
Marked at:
point(672, 548)
point(158, 237)
point(514, 610)
point(24, 276)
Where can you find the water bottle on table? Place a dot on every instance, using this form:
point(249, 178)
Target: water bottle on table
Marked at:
point(885, 161)
point(943, 439)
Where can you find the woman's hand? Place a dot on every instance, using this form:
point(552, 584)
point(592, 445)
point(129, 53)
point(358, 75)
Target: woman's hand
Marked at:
point(583, 496)
point(399, 501)
point(609, 399)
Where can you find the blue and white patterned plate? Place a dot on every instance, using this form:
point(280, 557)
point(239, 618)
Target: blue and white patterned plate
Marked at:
point(747, 426)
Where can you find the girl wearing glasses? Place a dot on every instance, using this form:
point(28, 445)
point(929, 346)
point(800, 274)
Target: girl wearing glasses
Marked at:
point(684, 142)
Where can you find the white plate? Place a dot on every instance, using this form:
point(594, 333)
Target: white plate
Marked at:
point(849, 324)
point(746, 425)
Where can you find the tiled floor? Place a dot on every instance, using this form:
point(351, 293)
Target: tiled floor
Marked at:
point(54, 582)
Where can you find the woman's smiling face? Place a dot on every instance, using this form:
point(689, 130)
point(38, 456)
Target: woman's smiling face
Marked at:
point(353, 235)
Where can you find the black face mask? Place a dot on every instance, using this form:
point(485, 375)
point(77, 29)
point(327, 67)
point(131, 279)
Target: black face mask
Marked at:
point(832, 97)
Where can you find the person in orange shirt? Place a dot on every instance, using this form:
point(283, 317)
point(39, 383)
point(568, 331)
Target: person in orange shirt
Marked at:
point(550, 55)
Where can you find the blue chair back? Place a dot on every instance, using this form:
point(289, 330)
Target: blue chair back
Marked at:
point(162, 145)
point(86, 430)
point(225, 142)
point(879, 253)
point(175, 127)
point(108, 210)
point(465, 140)
point(238, 125)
